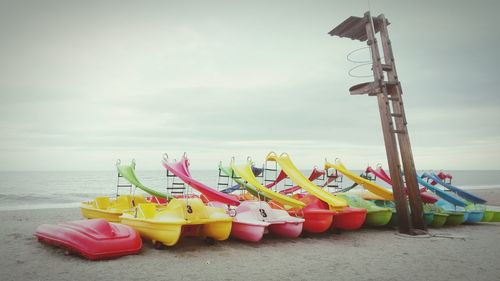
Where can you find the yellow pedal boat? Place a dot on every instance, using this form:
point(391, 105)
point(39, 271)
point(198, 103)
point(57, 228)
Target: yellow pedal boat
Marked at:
point(181, 217)
point(110, 209)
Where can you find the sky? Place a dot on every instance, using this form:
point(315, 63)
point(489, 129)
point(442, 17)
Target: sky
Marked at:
point(83, 83)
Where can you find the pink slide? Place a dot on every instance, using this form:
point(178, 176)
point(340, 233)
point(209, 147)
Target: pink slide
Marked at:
point(381, 174)
point(181, 169)
point(279, 178)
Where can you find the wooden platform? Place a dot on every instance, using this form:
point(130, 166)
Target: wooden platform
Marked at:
point(355, 28)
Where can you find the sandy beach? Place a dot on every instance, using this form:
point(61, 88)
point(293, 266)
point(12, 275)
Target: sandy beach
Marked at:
point(466, 252)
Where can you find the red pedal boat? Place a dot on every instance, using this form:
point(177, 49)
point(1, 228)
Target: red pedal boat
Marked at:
point(94, 239)
point(319, 218)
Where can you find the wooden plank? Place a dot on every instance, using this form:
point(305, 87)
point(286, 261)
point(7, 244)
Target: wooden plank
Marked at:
point(364, 88)
point(353, 28)
point(415, 201)
point(386, 67)
point(356, 31)
point(345, 25)
point(389, 138)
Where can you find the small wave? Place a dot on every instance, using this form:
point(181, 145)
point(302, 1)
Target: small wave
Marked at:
point(39, 206)
point(482, 186)
point(9, 201)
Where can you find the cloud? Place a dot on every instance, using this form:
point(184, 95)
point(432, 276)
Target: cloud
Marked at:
point(84, 84)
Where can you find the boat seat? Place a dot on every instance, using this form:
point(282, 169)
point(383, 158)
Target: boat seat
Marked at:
point(102, 202)
point(198, 209)
point(146, 210)
point(136, 200)
point(122, 203)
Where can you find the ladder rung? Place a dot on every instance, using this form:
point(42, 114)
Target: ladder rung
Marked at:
point(393, 98)
point(221, 183)
point(124, 185)
point(396, 115)
point(273, 170)
point(399, 131)
point(178, 183)
point(386, 67)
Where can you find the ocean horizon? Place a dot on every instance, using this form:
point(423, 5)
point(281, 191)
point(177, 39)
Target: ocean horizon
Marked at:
point(61, 189)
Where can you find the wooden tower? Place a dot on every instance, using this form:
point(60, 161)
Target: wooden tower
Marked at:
point(387, 88)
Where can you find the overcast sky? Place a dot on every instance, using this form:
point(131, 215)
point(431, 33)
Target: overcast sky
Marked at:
point(83, 83)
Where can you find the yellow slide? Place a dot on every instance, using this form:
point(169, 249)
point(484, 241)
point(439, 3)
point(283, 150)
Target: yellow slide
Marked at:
point(376, 189)
point(246, 173)
point(298, 178)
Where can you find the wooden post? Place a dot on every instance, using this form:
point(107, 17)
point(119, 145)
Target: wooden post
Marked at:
point(387, 129)
point(392, 116)
point(415, 201)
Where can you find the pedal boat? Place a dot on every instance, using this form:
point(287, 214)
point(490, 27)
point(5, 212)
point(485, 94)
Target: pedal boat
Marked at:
point(320, 217)
point(280, 222)
point(181, 217)
point(458, 215)
point(93, 239)
point(253, 219)
point(375, 216)
point(110, 209)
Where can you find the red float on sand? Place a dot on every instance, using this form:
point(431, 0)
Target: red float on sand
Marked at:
point(94, 239)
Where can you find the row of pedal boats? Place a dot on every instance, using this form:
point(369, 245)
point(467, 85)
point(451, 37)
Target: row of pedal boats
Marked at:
point(215, 215)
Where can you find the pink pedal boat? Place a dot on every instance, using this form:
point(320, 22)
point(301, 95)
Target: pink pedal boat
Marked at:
point(94, 239)
point(253, 219)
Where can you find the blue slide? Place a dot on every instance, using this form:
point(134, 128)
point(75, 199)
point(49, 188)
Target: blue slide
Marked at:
point(446, 196)
point(460, 192)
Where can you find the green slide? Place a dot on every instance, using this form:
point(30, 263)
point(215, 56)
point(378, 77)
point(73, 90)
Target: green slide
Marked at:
point(128, 172)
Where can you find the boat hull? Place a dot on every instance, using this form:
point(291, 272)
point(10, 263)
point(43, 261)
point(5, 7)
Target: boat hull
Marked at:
point(488, 216)
point(219, 230)
point(439, 220)
point(474, 216)
point(349, 218)
point(455, 218)
point(428, 218)
point(247, 232)
point(93, 213)
point(109, 209)
point(180, 218)
point(317, 220)
point(317, 215)
point(496, 216)
point(167, 234)
point(394, 219)
point(94, 239)
point(287, 229)
point(378, 217)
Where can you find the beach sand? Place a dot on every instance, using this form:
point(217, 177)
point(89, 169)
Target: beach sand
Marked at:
point(466, 252)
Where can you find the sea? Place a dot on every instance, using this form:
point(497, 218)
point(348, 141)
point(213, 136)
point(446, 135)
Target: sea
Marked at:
point(63, 189)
